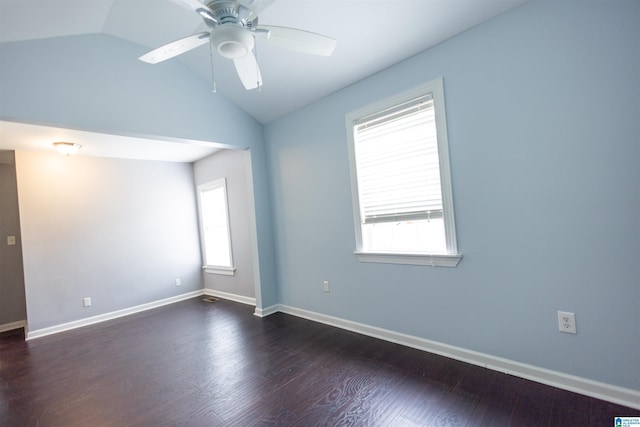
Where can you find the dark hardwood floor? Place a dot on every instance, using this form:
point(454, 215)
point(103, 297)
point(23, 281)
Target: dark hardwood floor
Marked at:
point(215, 364)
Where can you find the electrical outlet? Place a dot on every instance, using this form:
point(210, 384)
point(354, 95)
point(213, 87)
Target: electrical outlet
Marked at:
point(178, 282)
point(325, 286)
point(567, 322)
point(86, 302)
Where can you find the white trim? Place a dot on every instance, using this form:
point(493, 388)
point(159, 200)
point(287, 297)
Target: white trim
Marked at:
point(432, 260)
point(225, 271)
point(599, 390)
point(233, 297)
point(14, 325)
point(38, 333)
point(436, 89)
point(213, 185)
point(268, 311)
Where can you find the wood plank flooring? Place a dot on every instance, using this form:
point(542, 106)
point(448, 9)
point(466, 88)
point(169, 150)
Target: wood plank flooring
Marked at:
point(215, 364)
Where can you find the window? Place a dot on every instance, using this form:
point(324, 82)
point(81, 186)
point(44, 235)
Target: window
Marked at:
point(403, 207)
point(214, 227)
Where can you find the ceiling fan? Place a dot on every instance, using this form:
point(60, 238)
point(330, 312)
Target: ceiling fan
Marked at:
point(233, 27)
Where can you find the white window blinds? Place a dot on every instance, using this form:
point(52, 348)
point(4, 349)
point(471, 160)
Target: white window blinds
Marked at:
point(397, 163)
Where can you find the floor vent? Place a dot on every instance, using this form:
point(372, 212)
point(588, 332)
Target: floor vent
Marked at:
point(210, 299)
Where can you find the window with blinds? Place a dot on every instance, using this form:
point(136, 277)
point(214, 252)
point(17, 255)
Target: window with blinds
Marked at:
point(400, 177)
point(397, 163)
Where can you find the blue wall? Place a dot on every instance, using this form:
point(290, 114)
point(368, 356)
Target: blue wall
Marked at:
point(96, 82)
point(543, 120)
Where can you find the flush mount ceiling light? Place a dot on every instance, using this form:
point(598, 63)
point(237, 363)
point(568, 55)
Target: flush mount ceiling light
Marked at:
point(67, 148)
point(232, 42)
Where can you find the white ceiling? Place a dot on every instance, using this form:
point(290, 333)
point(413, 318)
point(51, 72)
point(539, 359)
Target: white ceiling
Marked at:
point(371, 36)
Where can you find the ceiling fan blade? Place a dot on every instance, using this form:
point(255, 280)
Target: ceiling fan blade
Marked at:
point(192, 4)
point(300, 40)
point(248, 71)
point(201, 9)
point(175, 48)
point(255, 7)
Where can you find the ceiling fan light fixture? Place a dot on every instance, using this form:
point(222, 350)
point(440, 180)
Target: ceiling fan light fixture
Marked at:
point(231, 41)
point(67, 148)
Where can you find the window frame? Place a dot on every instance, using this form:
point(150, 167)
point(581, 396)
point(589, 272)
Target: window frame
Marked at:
point(227, 270)
point(452, 257)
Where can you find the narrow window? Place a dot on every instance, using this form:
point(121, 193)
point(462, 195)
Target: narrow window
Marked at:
point(401, 183)
point(214, 227)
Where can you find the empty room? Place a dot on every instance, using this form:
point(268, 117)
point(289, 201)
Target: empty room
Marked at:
point(300, 213)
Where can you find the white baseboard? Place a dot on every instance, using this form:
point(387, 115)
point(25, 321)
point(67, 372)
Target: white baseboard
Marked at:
point(599, 390)
point(264, 312)
point(38, 333)
point(14, 325)
point(233, 297)
point(132, 310)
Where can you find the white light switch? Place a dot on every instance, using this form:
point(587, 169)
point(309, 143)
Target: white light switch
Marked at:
point(11, 240)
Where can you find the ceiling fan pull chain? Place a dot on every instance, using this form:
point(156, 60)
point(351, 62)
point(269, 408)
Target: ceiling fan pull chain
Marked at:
point(213, 75)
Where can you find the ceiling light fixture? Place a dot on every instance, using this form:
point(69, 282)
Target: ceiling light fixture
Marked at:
point(232, 42)
point(67, 148)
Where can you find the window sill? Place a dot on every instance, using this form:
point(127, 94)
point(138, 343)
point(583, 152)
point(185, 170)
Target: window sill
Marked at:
point(431, 260)
point(225, 271)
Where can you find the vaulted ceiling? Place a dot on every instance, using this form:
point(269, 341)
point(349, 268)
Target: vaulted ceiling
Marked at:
point(371, 35)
